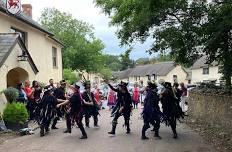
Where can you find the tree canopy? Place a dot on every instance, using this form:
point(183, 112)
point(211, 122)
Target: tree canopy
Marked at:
point(82, 50)
point(125, 60)
point(188, 29)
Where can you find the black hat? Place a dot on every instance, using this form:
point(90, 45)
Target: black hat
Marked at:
point(76, 86)
point(48, 88)
point(123, 84)
point(168, 84)
point(62, 82)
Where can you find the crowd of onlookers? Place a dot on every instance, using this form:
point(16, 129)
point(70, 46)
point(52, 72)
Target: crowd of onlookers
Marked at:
point(31, 93)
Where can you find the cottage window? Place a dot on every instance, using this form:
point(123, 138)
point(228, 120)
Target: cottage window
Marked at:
point(54, 57)
point(175, 78)
point(206, 70)
point(23, 35)
point(136, 78)
point(220, 68)
point(154, 77)
point(148, 77)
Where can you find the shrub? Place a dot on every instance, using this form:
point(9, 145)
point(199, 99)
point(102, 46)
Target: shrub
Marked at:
point(70, 76)
point(11, 94)
point(15, 113)
point(42, 84)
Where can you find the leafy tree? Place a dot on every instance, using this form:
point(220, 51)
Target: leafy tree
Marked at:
point(125, 60)
point(112, 62)
point(70, 76)
point(81, 49)
point(142, 61)
point(188, 29)
point(106, 73)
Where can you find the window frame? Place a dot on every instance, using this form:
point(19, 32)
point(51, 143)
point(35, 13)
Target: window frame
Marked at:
point(54, 56)
point(204, 69)
point(23, 34)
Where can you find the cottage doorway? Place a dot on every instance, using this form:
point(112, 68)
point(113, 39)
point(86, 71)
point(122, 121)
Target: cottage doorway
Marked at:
point(15, 76)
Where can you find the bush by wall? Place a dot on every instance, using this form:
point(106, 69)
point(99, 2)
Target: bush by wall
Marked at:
point(11, 94)
point(15, 113)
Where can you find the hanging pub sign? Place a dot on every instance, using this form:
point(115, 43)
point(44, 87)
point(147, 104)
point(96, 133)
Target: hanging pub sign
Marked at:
point(13, 6)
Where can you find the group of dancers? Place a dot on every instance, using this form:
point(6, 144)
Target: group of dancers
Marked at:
point(76, 106)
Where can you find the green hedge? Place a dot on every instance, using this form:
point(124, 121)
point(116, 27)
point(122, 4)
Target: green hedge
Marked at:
point(15, 113)
point(11, 94)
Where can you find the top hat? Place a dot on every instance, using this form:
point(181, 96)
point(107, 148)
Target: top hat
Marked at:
point(168, 84)
point(62, 82)
point(86, 83)
point(123, 84)
point(76, 86)
point(48, 88)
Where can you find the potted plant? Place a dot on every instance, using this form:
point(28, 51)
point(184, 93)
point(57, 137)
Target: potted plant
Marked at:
point(15, 116)
point(11, 94)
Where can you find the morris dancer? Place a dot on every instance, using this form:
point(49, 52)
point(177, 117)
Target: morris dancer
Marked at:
point(123, 106)
point(151, 112)
point(76, 112)
point(90, 105)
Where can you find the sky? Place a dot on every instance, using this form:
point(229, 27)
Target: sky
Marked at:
point(85, 10)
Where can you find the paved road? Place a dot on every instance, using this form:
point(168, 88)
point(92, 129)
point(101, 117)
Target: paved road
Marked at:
point(99, 141)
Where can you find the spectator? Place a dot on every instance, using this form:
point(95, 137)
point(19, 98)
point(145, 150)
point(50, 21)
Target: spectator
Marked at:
point(30, 96)
point(135, 96)
point(183, 102)
point(22, 94)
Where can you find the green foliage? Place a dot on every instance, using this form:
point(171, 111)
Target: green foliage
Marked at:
point(186, 29)
point(126, 61)
point(142, 61)
point(81, 49)
point(70, 76)
point(112, 62)
point(162, 57)
point(42, 84)
point(11, 94)
point(106, 73)
point(15, 113)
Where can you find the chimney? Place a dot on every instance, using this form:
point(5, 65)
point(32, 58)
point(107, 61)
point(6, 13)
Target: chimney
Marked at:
point(27, 10)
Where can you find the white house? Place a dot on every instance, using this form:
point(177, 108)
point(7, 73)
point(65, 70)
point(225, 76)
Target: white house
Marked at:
point(167, 71)
point(28, 51)
point(203, 72)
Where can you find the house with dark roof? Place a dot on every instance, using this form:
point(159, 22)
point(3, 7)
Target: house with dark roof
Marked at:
point(166, 71)
point(203, 72)
point(28, 51)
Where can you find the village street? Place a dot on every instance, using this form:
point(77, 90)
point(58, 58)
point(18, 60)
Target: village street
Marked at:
point(99, 141)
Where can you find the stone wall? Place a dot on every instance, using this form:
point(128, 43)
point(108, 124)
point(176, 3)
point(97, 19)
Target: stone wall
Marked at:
point(212, 114)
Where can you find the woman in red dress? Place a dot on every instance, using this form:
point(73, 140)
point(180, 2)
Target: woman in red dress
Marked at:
point(135, 97)
point(111, 99)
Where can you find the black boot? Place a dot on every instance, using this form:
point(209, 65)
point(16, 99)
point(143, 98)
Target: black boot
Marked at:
point(41, 131)
point(175, 134)
point(54, 123)
point(68, 131)
point(112, 132)
point(84, 135)
point(157, 134)
point(128, 129)
point(87, 122)
point(47, 129)
point(96, 122)
point(144, 133)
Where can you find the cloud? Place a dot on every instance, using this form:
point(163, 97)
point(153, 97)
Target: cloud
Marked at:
point(85, 10)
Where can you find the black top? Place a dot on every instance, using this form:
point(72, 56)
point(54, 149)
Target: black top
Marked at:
point(37, 92)
point(75, 102)
point(87, 97)
point(123, 100)
point(59, 93)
